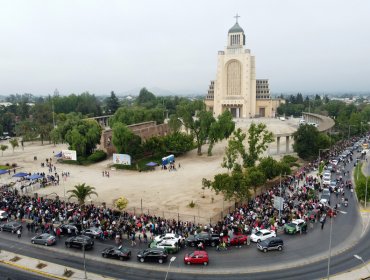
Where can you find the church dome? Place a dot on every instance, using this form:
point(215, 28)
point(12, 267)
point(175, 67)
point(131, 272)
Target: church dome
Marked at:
point(236, 28)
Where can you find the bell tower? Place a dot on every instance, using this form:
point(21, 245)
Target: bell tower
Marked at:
point(236, 36)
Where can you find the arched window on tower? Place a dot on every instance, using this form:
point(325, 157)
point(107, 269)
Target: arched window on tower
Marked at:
point(234, 78)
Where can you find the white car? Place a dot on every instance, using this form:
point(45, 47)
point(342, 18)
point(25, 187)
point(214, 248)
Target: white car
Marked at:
point(262, 234)
point(168, 237)
point(3, 215)
point(326, 181)
point(282, 118)
point(302, 121)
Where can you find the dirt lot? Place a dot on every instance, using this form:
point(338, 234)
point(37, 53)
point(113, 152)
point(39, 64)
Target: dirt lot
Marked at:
point(158, 191)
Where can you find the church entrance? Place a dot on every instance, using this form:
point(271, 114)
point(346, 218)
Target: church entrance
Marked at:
point(235, 112)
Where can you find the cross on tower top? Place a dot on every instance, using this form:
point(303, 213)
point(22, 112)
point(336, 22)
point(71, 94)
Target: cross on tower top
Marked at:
point(236, 17)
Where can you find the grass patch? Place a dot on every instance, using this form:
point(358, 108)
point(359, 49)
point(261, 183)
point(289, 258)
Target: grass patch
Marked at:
point(41, 265)
point(68, 273)
point(15, 259)
point(360, 183)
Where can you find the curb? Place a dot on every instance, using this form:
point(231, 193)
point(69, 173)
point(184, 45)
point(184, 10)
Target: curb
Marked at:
point(33, 270)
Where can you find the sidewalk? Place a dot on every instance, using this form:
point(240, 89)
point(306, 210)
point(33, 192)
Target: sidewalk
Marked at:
point(46, 269)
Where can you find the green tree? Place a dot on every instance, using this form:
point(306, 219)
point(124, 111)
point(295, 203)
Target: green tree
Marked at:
point(232, 186)
point(81, 192)
point(255, 178)
point(258, 139)
point(43, 119)
point(125, 141)
point(174, 123)
point(55, 136)
point(112, 103)
point(221, 129)
point(196, 120)
point(3, 148)
point(146, 99)
point(269, 167)
point(178, 143)
point(1, 130)
point(131, 115)
point(26, 129)
point(308, 140)
point(14, 143)
point(82, 135)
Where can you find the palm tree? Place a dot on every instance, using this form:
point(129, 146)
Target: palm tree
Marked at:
point(81, 191)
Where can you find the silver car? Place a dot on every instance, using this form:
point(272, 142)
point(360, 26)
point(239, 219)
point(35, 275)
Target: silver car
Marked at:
point(44, 239)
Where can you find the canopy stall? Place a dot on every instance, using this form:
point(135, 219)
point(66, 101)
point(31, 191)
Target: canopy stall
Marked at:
point(34, 177)
point(20, 175)
point(2, 171)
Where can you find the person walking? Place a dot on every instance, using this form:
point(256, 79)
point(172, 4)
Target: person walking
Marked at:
point(322, 221)
point(19, 233)
point(133, 243)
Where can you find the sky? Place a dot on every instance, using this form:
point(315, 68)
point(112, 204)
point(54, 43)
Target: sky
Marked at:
point(320, 46)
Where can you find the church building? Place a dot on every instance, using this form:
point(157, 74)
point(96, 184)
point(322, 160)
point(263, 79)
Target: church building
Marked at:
point(236, 88)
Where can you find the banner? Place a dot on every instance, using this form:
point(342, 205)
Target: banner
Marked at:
point(69, 155)
point(122, 159)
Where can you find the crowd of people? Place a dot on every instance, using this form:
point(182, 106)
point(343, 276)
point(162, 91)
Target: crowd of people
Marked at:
point(299, 202)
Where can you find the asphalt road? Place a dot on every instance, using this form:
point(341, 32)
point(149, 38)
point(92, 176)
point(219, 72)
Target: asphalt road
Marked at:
point(10, 273)
point(235, 262)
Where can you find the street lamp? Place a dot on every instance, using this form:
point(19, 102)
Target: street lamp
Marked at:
point(171, 260)
point(361, 259)
point(330, 237)
point(349, 130)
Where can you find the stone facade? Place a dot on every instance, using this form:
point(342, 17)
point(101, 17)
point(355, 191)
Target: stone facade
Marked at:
point(236, 88)
point(145, 130)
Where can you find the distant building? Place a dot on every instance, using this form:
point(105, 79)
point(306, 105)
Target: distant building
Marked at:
point(236, 88)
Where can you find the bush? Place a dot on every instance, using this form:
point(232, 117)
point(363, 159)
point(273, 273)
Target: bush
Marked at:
point(97, 156)
point(192, 204)
point(289, 159)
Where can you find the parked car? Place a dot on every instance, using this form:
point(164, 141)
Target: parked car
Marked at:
point(68, 229)
point(325, 196)
point(44, 239)
point(295, 226)
point(238, 240)
point(11, 227)
point(169, 246)
point(79, 241)
point(120, 253)
point(93, 232)
point(152, 255)
point(197, 257)
point(270, 244)
point(262, 234)
point(206, 238)
point(3, 215)
point(168, 236)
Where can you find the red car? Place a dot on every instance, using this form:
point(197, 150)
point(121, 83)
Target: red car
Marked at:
point(197, 257)
point(238, 240)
